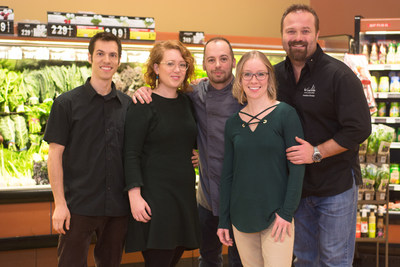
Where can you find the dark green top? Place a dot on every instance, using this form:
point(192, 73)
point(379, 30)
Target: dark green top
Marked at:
point(159, 138)
point(257, 179)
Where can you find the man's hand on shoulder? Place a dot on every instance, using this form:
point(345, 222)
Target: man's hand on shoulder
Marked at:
point(143, 95)
point(197, 81)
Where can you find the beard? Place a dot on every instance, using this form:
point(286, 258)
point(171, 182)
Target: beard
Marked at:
point(295, 54)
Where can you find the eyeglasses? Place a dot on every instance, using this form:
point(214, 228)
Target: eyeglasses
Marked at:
point(183, 66)
point(247, 76)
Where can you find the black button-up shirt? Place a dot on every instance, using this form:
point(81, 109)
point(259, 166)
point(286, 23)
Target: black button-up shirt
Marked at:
point(330, 101)
point(91, 127)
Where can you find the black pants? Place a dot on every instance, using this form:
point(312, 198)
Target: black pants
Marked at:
point(162, 257)
point(74, 245)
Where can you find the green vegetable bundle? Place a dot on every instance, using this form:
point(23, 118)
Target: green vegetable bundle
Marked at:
point(380, 138)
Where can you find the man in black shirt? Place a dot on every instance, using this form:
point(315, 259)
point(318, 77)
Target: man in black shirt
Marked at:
point(330, 101)
point(85, 132)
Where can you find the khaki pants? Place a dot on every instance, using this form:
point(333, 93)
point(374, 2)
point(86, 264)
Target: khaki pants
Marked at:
point(260, 249)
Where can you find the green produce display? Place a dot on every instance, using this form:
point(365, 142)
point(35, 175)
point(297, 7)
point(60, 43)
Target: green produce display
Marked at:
point(380, 139)
point(26, 97)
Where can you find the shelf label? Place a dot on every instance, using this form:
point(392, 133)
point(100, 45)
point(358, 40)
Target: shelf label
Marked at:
point(88, 31)
point(191, 37)
point(142, 34)
point(32, 30)
point(61, 30)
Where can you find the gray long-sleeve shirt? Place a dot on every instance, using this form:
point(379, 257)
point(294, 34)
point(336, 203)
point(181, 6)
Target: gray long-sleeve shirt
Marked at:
point(212, 108)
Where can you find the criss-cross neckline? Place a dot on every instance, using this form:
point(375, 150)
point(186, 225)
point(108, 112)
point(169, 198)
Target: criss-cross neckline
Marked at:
point(255, 117)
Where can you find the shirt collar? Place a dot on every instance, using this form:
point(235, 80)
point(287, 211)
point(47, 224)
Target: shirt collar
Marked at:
point(311, 61)
point(226, 88)
point(91, 92)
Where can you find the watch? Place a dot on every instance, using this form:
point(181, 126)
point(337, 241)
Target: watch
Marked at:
point(316, 157)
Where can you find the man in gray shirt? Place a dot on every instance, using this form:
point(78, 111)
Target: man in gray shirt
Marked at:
point(213, 104)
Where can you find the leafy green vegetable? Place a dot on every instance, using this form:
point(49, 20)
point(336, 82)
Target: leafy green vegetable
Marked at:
point(7, 129)
point(21, 132)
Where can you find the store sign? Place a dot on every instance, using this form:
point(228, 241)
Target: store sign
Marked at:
point(6, 20)
point(378, 25)
point(88, 24)
point(191, 37)
point(32, 30)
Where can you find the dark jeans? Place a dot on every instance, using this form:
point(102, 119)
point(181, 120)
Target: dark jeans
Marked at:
point(211, 247)
point(74, 245)
point(162, 257)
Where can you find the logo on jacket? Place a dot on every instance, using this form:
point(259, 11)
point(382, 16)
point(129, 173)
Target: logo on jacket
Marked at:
point(309, 91)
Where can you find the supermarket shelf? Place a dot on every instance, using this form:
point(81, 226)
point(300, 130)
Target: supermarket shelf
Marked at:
point(394, 187)
point(386, 120)
point(395, 145)
point(367, 239)
point(384, 67)
point(388, 95)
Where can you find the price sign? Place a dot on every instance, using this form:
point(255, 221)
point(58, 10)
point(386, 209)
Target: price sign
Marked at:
point(120, 32)
point(61, 30)
point(88, 31)
point(191, 37)
point(32, 30)
point(6, 27)
point(142, 34)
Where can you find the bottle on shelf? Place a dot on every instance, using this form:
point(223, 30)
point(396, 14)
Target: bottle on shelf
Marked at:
point(373, 56)
point(365, 51)
point(364, 223)
point(380, 227)
point(372, 225)
point(384, 84)
point(395, 84)
point(358, 225)
point(374, 84)
point(391, 54)
point(394, 109)
point(397, 56)
point(381, 109)
point(382, 54)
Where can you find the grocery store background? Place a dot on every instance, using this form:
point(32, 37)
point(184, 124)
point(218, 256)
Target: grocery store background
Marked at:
point(233, 17)
point(244, 19)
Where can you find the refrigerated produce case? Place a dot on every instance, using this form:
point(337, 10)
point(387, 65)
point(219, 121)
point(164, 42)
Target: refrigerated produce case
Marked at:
point(378, 39)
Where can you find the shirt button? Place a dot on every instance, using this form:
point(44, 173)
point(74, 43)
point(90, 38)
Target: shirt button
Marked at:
point(108, 188)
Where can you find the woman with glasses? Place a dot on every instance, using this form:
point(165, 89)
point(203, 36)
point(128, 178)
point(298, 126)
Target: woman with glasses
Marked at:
point(160, 178)
point(260, 188)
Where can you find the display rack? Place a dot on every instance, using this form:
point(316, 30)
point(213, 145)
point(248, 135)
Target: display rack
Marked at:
point(368, 31)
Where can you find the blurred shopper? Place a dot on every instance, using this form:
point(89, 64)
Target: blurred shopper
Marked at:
point(260, 188)
point(330, 101)
point(213, 105)
point(85, 132)
point(160, 177)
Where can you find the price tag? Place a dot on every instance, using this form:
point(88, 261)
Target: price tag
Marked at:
point(191, 37)
point(88, 31)
point(120, 32)
point(142, 34)
point(32, 30)
point(6, 27)
point(61, 30)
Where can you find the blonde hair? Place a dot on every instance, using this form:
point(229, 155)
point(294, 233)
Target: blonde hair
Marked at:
point(237, 89)
point(156, 56)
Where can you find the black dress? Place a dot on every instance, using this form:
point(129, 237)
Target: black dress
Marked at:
point(159, 138)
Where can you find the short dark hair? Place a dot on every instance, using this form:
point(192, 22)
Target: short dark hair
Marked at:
point(300, 7)
point(104, 36)
point(216, 39)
